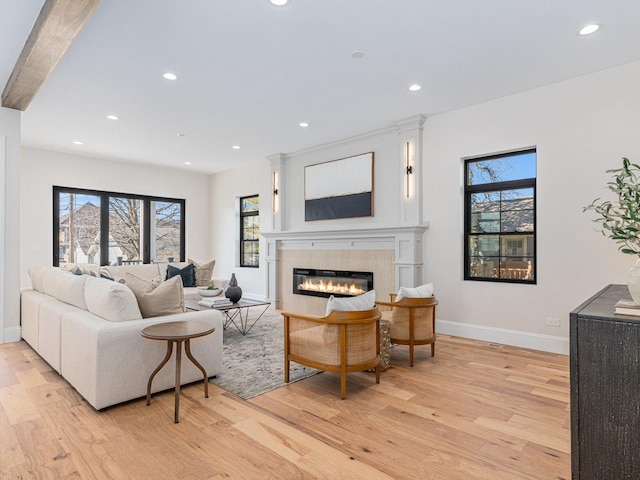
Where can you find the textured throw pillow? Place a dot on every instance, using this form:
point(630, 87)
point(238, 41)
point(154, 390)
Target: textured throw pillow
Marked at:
point(188, 274)
point(204, 272)
point(157, 300)
point(366, 301)
point(423, 291)
point(111, 300)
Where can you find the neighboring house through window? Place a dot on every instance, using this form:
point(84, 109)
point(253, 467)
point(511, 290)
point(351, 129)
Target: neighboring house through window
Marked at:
point(107, 228)
point(250, 231)
point(500, 217)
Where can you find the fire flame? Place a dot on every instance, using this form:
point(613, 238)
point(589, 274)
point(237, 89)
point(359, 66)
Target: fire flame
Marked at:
point(329, 287)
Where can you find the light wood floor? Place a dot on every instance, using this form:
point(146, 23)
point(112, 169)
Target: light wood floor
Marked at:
point(475, 411)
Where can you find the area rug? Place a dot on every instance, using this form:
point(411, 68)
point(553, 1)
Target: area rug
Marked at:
point(254, 363)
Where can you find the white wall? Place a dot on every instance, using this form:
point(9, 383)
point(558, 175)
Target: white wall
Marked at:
point(10, 225)
point(580, 128)
point(41, 169)
point(224, 191)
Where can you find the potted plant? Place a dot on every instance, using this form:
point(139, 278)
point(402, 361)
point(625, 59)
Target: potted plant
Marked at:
point(619, 219)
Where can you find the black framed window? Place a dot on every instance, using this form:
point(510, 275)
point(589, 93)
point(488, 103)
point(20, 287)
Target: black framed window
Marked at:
point(109, 228)
point(500, 218)
point(250, 231)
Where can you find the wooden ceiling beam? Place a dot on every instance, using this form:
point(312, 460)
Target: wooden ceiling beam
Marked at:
point(58, 24)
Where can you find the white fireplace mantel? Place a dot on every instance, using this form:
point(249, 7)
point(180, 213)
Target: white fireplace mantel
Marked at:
point(405, 242)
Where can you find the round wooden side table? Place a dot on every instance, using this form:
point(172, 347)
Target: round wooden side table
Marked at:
point(178, 333)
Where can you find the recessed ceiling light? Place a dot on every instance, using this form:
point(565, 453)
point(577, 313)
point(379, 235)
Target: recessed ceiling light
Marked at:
point(236, 147)
point(113, 117)
point(279, 3)
point(77, 142)
point(589, 29)
point(170, 76)
point(187, 163)
point(357, 54)
point(415, 87)
point(303, 124)
point(179, 134)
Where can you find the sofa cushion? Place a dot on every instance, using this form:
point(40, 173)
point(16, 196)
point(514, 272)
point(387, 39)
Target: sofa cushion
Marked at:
point(157, 300)
point(366, 301)
point(204, 273)
point(148, 271)
point(65, 286)
point(37, 275)
point(423, 291)
point(188, 274)
point(111, 300)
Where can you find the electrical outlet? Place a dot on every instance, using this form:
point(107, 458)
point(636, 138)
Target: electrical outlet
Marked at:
point(553, 322)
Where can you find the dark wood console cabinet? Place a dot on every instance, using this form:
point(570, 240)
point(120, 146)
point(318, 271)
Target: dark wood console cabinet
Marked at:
point(605, 389)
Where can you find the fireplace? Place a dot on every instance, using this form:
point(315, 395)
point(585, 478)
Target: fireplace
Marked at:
point(324, 283)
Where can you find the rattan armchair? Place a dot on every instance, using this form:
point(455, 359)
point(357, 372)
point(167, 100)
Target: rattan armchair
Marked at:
point(413, 321)
point(342, 342)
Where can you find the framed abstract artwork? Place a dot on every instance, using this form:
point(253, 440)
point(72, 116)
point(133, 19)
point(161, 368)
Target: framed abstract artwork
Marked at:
point(339, 188)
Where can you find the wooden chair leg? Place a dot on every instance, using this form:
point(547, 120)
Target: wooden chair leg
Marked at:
point(433, 348)
point(286, 371)
point(378, 373)
point(411, 355)
point(343, 385)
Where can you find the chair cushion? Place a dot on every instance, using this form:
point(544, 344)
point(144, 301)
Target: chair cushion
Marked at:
point(366, 301)
point(204, 273)
point(157, 300)
point(422, 291)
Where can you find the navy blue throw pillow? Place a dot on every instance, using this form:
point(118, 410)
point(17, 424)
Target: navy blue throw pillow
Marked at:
point(187, 273)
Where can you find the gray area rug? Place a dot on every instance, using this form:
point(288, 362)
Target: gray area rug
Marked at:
point(254, 364)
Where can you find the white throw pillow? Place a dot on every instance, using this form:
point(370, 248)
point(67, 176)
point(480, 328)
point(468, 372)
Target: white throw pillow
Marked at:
point(111, 300)
point(423, 291)
point(366, 301)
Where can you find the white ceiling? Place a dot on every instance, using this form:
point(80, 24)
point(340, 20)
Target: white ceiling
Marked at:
point(249, 72)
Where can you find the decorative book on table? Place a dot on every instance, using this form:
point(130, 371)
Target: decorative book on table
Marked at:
point(627, 307)
point(215, 302)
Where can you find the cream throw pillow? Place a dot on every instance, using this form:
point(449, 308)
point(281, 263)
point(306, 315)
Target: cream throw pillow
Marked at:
point(204, 272)
point(366, 301)
point(157, 300)
point(110, 300)
point(423, 291)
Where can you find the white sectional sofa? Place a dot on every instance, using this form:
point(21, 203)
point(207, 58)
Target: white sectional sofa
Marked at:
point(88, 330)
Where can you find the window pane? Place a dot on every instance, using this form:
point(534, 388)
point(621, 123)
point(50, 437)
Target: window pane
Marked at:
point(79, 229)
point(124, 230)
point(250, 254)
point(249, 204)
point(516, 268)
point(251, 227)
point(485, 212)
point(165, 231)
point(483, 267)
point(516, 166)
point(484, 245)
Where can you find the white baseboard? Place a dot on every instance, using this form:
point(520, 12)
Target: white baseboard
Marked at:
point(12, 334)
point(516, 338)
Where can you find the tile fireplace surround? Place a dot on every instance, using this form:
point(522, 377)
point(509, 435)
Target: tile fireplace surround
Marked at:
point(394, 255)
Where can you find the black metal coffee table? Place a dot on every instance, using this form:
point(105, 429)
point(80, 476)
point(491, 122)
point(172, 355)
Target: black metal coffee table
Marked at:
point(236, 313)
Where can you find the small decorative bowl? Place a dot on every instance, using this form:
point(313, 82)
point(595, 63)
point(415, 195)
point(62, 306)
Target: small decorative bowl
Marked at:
point(205, 292)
